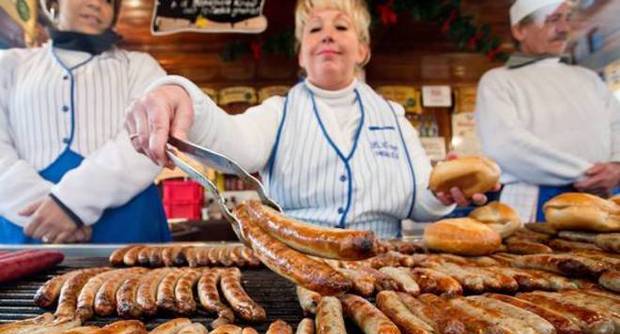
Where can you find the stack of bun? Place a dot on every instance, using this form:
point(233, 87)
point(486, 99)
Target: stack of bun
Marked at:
point(580, 211)
point(472, 174)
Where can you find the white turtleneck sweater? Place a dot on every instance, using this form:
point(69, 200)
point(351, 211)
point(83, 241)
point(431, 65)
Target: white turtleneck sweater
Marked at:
point(249, 138)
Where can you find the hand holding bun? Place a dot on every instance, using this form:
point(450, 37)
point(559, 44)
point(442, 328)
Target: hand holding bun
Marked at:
point(462, 236)
point(499, 217)
point(581, 211)
point(472, 175)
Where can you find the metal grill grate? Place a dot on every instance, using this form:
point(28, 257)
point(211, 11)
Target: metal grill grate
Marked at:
point(274, 293)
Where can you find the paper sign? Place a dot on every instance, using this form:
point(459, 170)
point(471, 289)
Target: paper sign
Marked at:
point(408, 97)
point(237, 16)
point(464, 138)
point(437, 96)
point(435, 147)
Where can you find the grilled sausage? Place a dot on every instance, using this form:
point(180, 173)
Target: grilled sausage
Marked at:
point(47, 294)
point(249, 330)
point(472, 324)
point(519, 316)
point(279, 327)
point(23, 263)
point(70, 291)
point(170, 254)
point(248, 255)
point(155, 257)
point(289, 263)
point(565, 264)
point(607, 307)
point(578, 236)
point(105, 299)
point(23, 326)
point(589, 321)
point(210, 299)
point(393, 307)
point(474, 309)
point(116, 258)
point(126, 327)
point(234, 253)
point(382, 281)
point(329, 318)
point(469, 281)
point(238, 299)
point(539, 228)
point(165, 291)
point(308, 300)
point(194, 328)
point(363, 283)
point(431, 281)
point(58, 326)
point(126, 305)
point(524, 247)
point(86, 298)
point(172, 326)
point(366, 316)
point(191, 256)
point(83, 330)
point(437, 318)
point(404, 278)
point(610, 280)
point(309, 239)
point(562, 324)
point(146, 295)
point(183, 291)
point(609, 242)
point(143, 256)
point(305, 326)
point(131, 256)
point(227, 329)
point(202, 258)
point(570, 246)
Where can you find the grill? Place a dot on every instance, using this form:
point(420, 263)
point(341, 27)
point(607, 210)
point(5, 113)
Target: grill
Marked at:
point(274, 293)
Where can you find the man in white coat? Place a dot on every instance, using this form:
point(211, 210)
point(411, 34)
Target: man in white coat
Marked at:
point(552, 127)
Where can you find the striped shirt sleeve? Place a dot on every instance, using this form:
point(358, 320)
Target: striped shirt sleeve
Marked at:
point(20, 184)
point(427, 207)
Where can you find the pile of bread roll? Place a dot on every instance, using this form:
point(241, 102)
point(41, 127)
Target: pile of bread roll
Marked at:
point(583, 212)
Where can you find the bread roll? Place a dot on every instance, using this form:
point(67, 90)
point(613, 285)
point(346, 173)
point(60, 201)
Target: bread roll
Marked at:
point(615, 199)
point(463, 236)
point(471, 174)
point(499, 217)
point(580, 211)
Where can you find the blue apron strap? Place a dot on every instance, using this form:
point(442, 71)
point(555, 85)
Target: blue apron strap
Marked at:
point(546, 193)
point(142, 219)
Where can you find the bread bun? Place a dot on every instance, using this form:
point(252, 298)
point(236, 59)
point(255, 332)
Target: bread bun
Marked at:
point(471, 174)
point(615, 199)
point(462, 236)
point(580, 211)
point(499, 217)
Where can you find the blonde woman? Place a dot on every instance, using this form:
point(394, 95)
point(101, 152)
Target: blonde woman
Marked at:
point(332, 152)
point(65, 162)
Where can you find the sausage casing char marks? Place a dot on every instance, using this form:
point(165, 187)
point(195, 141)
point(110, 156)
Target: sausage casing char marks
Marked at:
point(367, 316)
point(67, 301)
point(210, 299)
point(394, 308)
point(329, 317)
point(165, 291)
point(183, 291)
point(279, 327)
point(324, 242)
point(146, 296)
point(437, 318)
point(431, 281)
point(105, 299)
point(241, 303)
point(289, 263)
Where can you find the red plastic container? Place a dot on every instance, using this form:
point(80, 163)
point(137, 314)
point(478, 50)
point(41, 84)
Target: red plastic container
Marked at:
point(182, 199)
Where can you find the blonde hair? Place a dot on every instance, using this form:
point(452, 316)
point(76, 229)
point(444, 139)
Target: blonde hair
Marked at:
point(357, 9)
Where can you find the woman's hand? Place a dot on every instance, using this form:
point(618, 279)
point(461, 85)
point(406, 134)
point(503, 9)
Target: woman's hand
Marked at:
point(456, 195)
point(165, 111)
point(49, 222)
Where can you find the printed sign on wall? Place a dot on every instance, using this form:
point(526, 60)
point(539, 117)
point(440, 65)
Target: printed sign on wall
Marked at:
point(24, 13)
point(240, 16)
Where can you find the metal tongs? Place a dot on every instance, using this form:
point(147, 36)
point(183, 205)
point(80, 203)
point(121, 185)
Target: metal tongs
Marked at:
point(192, 162)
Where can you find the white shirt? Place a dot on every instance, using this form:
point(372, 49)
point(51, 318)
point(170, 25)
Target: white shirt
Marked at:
point(545, 124)
point(249, 138)
point(36, 120)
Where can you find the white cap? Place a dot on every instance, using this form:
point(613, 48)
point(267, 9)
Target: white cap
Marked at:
point(523, 8)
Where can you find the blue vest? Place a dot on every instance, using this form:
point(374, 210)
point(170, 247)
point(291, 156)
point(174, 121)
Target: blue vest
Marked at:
point(370, 187)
